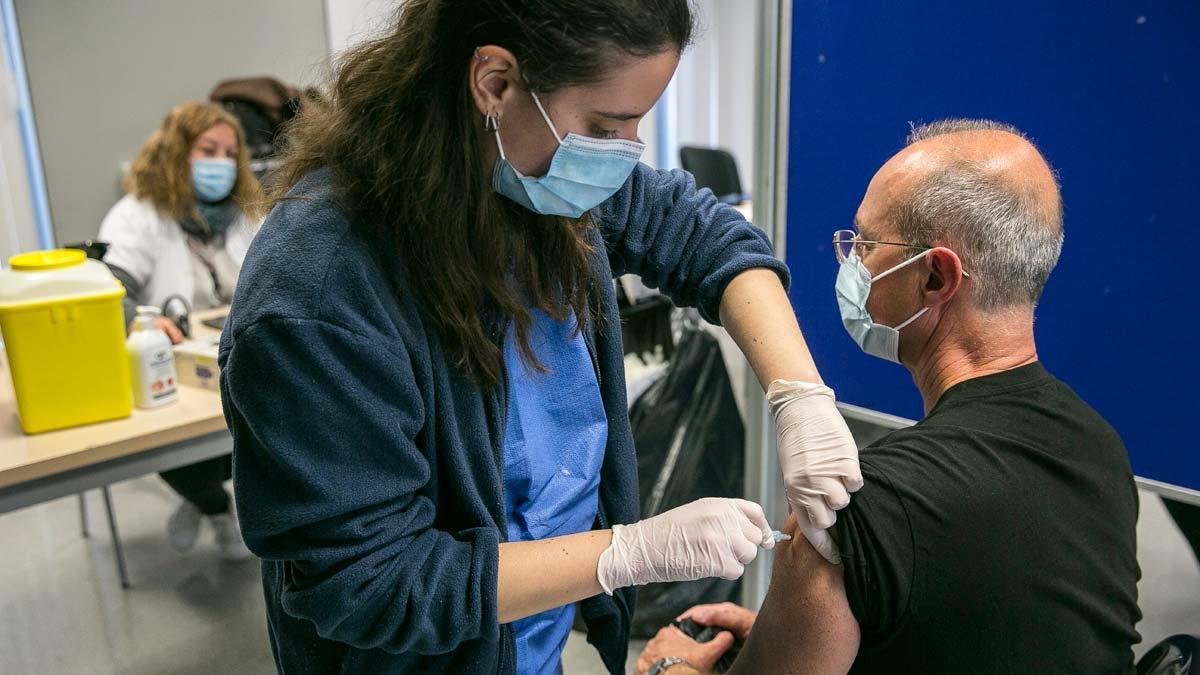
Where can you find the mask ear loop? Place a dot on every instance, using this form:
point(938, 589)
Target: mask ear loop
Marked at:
point(902, 265)
point(914, 318)
point(545, 116)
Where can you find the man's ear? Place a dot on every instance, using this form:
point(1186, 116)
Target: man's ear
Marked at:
point(944, 275)
point(494, 79)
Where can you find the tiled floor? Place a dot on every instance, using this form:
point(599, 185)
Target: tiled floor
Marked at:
point(63, 611)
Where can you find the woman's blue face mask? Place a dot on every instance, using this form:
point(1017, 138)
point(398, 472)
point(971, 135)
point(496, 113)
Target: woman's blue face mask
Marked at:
point(583, 173)
point(213, 178)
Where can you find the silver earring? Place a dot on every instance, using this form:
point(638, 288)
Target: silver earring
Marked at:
point(481, 58)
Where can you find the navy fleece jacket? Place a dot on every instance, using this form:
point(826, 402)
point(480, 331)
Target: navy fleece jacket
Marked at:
point(367, 467)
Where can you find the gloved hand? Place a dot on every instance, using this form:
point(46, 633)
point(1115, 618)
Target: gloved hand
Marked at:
point(818, 457)
point(707, 538)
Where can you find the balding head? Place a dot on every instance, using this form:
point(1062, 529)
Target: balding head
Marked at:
point(982, 189)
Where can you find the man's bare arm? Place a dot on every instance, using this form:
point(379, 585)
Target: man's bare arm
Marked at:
point(805, 625)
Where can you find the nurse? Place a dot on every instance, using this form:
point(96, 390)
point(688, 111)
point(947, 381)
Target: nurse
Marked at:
point(423, 371)
point(181, 231)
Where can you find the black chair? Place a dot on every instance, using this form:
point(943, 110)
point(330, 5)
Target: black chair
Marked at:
point(714, 169)
point(1176, 655)
point(94, 248)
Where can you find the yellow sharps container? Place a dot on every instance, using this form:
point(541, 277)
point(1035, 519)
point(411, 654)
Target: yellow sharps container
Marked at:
point(60, 314)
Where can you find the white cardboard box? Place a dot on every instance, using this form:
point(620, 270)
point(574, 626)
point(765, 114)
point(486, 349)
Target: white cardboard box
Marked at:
point(196, 363)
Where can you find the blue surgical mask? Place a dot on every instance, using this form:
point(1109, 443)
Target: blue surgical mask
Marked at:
point(213, 179)
point(853, 288)
point(583, 173)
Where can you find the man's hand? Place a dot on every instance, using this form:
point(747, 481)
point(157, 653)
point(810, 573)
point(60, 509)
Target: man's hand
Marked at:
point(733, 618)
point(671, 641)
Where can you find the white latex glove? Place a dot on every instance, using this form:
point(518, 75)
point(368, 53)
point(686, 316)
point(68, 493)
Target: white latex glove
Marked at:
point(709, 537)
point(818, 457)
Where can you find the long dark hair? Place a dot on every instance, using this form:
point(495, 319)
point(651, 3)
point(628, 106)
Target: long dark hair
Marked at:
point(401, 136)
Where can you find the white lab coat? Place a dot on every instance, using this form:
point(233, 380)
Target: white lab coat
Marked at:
point(153, 249)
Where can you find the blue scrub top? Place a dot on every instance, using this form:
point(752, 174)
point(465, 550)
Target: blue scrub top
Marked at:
point(554, 445)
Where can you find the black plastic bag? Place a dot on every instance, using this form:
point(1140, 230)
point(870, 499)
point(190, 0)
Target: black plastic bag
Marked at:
point(690, 444)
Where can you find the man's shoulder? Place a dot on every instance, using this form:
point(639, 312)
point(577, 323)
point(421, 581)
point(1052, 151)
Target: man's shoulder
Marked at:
point(1088, 417)
point(934, 465)
point(909, 449)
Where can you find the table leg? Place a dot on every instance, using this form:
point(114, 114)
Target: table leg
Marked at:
point(83, 524)
point(116, 538)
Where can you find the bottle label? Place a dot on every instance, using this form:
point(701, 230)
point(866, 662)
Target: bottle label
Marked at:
point(161, 368)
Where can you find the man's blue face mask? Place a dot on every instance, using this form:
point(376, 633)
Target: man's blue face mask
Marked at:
point(853, 288)
point(583, 173)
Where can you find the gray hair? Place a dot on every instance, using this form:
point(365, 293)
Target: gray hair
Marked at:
point(1007, 235)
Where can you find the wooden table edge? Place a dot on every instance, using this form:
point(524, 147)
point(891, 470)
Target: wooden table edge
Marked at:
point(102, 453)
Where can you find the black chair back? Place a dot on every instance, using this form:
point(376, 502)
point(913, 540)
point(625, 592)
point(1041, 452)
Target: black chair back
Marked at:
point(94, 248)
point(714, 169)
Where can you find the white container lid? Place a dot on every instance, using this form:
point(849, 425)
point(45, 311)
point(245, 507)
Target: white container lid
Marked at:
point(58, 274)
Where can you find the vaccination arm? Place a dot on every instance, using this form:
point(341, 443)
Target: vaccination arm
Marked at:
point(807, 597)
point(704, 254)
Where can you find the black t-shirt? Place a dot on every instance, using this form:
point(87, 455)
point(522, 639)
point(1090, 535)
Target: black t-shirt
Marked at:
point(996, 536)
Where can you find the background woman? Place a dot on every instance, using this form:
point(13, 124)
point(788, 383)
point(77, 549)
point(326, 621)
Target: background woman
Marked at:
point(182, 232)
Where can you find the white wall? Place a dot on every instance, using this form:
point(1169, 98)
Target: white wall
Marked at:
point(352, 21)
point(713, 99)
point(735, 75)
point(103, 74)
point(711, 103)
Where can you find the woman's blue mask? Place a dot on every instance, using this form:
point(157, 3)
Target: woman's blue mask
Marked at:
point(213, 178)
point(853, 288)
point(583, 173)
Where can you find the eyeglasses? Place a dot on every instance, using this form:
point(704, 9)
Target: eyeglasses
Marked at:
point(846, 242)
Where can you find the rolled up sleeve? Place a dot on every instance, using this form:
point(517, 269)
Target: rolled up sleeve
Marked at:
point(681, 240)
point(329, 481)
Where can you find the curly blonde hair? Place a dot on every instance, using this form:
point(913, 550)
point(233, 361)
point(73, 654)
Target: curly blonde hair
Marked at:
point(162, 174)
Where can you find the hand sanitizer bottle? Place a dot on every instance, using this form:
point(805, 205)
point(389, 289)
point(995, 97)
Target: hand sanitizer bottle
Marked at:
point(151, 361)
